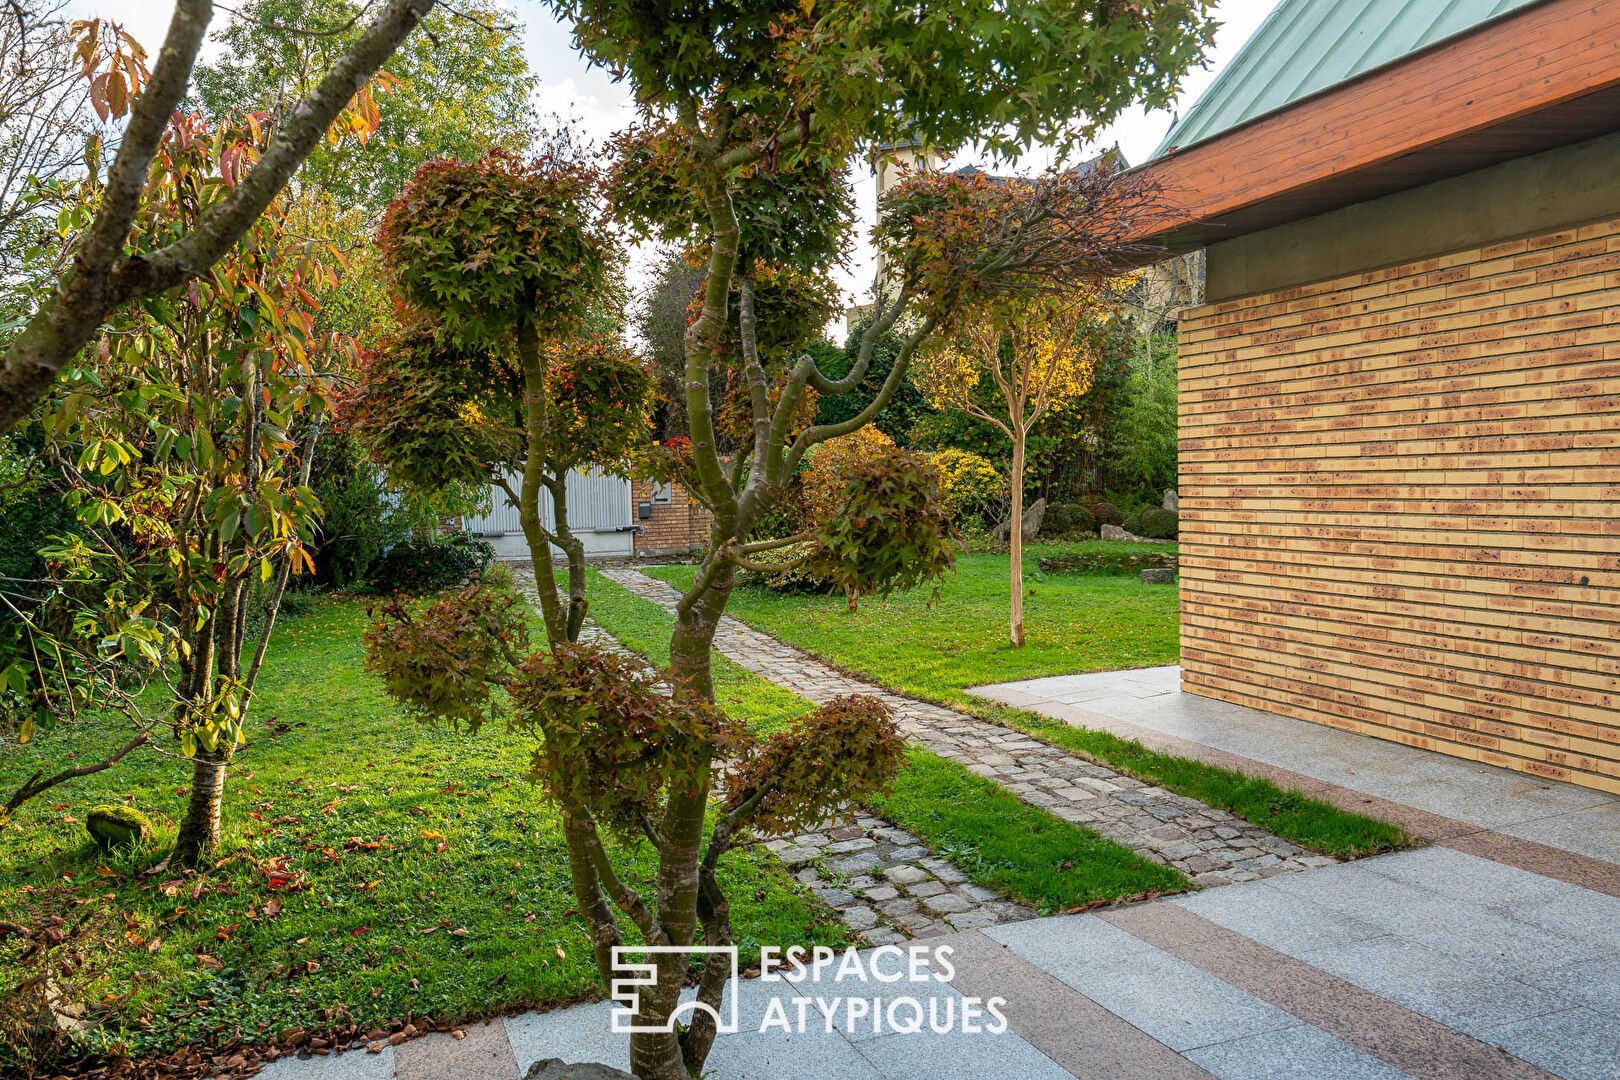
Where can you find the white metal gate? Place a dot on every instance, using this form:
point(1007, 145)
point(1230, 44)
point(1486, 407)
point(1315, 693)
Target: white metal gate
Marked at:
point(599, 513)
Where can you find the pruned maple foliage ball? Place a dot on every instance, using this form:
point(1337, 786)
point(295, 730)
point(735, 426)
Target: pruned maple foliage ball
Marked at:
point(486, 245)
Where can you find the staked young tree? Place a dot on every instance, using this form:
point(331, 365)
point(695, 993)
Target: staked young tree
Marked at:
point(1009, 363)
point(104, 273)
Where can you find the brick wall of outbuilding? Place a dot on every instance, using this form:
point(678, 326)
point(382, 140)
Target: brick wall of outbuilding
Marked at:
point(675, 528)
point(1400, 503)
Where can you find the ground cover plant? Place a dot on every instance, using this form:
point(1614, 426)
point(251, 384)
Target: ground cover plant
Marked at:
point(374, 869)
point(1077, 622)
point(995, 838)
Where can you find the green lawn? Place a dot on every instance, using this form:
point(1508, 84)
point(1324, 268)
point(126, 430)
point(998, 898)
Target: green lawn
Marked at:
point(936, 647)
point(994, 837)
point(436, 877)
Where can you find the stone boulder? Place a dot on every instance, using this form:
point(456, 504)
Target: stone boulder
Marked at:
point(1172, 501)
point(1114, 532)
point(1030, 526)
point(115, 826)
point(1159, 575)
point(557, 1069)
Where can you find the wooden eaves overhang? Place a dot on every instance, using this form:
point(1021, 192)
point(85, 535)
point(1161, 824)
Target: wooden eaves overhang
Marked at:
point(1547, 75)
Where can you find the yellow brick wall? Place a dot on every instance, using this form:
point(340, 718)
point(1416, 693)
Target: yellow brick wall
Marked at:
point(1400, 503)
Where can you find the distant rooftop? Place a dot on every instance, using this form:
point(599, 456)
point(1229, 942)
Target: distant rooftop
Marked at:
point(1305, 46)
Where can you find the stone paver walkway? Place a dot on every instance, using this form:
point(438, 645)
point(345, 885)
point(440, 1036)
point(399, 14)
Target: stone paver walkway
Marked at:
point(1427, 964)
point(884, 883)
point(1208, 844)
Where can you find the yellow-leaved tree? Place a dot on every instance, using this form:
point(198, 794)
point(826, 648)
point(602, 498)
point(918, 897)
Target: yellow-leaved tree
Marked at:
point(1008, 363)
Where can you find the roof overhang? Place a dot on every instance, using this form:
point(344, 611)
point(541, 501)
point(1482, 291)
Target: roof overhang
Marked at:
point(1546, 76)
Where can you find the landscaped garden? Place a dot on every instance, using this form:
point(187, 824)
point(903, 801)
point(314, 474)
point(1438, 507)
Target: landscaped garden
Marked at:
point(289, 764)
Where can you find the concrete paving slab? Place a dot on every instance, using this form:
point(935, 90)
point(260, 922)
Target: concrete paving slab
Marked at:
point(1577, 1044)
point(1594, 831)
point(1170, 999)
point(773, 1055)
point(1296, 1053)
point(1461, 876)
point(1353, 888)
point(1470, 996)
point(1480, 794)
point(577, 1034)
point(1284, 921)
point(958, 1056)
point(482, 1053)
point(353, 1065)
point(1051, 944)
point(1593, 983)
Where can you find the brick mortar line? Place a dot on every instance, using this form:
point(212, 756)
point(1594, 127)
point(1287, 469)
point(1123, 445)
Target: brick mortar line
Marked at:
point(1210, 845)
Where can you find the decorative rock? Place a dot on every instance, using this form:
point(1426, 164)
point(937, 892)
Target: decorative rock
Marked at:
point(1159, 575)
point(115, 826)
point(971, 920)
point(1171, 500)
point(1030, 524)
point(844, 847)
point(1114, 532)
point(834, 898)
point(794, 855)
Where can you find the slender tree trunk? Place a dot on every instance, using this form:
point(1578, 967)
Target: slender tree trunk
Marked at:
point(199, 835)
point(1015, 534)
point(536, 422)
point(690, 646)
point(574, 548)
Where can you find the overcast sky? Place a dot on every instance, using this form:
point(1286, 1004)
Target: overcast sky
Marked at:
point(598, 106)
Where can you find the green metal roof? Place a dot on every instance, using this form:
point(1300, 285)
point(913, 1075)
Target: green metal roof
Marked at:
point(1305, 46)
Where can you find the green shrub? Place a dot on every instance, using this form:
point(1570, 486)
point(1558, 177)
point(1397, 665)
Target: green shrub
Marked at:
point(426, 566)
point(1068, 519)
point(1160, 524)
point(970, 483)
point(1107, 513)
point(1132, 523)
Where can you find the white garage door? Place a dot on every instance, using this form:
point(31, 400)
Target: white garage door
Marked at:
point(599, 513)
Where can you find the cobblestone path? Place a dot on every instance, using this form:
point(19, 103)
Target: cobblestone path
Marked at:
point(882, 881)
point(1210, 845)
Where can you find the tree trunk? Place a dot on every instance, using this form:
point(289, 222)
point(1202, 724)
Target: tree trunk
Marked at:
point(690, 653)
point(1015, 535)
point(574, 548)
point(199, 834)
